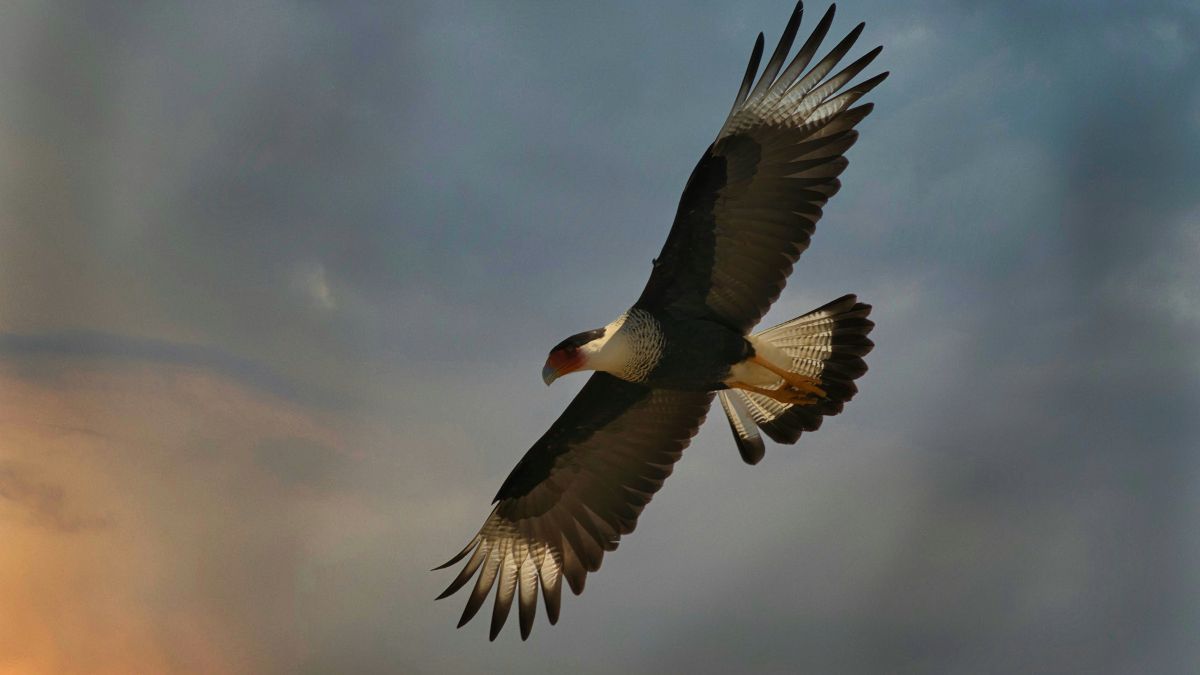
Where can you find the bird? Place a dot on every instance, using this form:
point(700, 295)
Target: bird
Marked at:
point(747, 212)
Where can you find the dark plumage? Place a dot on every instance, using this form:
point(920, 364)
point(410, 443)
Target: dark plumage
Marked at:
point(579, 339)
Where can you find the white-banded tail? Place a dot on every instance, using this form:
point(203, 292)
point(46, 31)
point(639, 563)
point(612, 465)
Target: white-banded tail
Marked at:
point(826, 344)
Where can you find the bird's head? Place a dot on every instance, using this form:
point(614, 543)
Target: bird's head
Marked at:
point(571, 355)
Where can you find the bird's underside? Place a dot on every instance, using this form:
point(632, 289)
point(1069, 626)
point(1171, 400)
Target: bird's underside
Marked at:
point(746, 214)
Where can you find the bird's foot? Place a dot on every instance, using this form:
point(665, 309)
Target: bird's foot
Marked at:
point(794, 396)
point(787, 394)
point(804, 385)
point(807, 386)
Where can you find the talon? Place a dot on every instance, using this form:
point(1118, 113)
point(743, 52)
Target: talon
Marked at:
point(796, 381)
point(798, 397)
point(810, 386)
point(787, 394)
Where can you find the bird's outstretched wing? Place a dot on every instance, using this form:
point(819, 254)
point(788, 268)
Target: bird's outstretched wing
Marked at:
point(753, 200)
point(573, 495)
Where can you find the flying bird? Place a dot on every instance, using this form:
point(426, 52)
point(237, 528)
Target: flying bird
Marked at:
point(747, 212)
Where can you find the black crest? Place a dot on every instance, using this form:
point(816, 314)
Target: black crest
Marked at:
point(579, 339)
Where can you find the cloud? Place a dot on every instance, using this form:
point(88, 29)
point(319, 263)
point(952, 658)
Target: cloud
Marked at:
point(276, 282)
point(297, 461)
point(170, 459)
point(90, 345)
point(44, 503)
point(316, 284)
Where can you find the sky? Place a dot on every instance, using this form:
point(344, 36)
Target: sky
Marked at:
point(277, 281)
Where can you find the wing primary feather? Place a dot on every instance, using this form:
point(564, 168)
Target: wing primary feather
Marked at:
point(527, 596)
point(828, 111)
point(486, 578)
point(748, 78)
point(505, 590)
point(808, 49)
point(461, 554)
point(551, 591)
point(846, 74)
point(866, 86)
point(831, 59)
point(845, 121)
point(780, 53)
point(467, 572)
point(863, 110)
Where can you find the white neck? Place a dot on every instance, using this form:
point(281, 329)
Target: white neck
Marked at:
point(611, 352)
point(630, 348)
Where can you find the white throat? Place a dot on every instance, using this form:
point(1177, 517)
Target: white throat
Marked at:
point(630, 348)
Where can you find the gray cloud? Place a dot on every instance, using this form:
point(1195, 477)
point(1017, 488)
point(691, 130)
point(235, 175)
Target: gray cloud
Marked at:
point(26, 350)
point(1013, 489)
point(298, 461)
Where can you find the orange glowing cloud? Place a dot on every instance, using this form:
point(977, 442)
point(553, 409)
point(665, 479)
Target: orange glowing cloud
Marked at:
point(154, 519)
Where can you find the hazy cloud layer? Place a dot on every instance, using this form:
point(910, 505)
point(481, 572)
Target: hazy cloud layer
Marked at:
point(276, 282)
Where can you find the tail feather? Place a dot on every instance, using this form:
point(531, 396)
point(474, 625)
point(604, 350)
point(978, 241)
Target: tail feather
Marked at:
point(745, 431)
point(828, 344)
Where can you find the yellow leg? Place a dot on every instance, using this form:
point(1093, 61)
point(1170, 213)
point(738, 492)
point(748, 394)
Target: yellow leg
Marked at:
point(803, 383)
point(786, 395)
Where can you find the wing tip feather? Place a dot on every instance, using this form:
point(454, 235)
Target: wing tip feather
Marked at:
point(459, 556)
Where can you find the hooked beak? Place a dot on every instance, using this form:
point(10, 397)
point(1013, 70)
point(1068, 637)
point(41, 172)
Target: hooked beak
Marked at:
point(559, 364)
